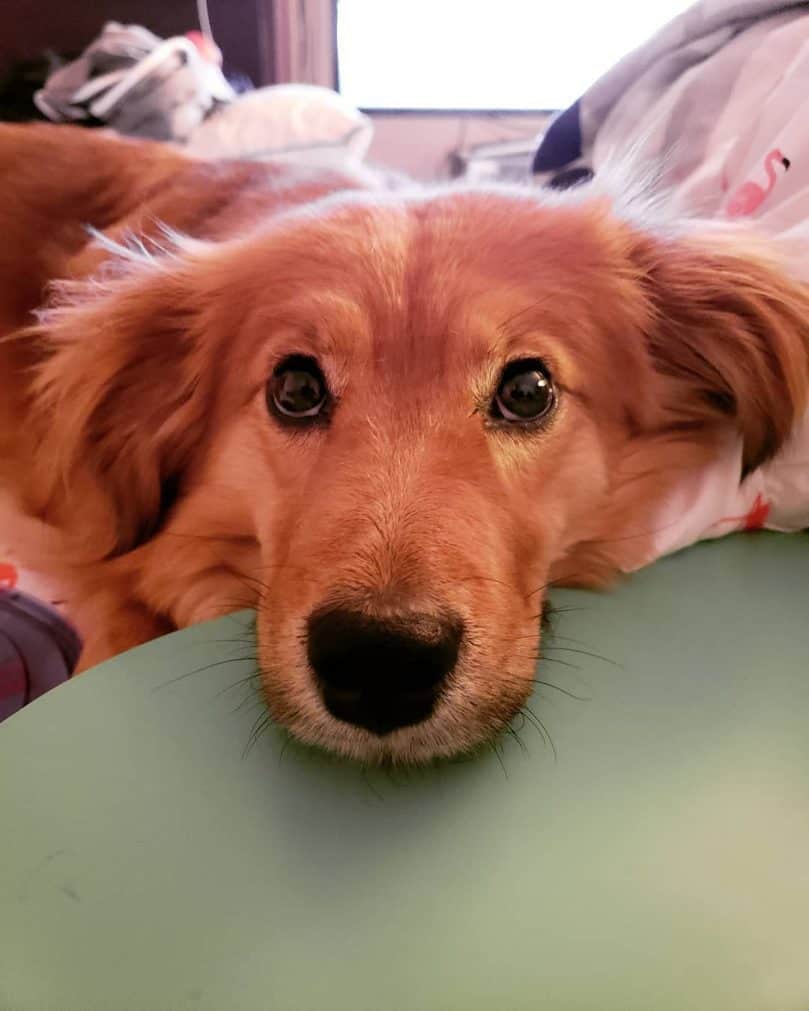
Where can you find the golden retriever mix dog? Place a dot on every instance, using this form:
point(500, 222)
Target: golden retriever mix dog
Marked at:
point(395, 415)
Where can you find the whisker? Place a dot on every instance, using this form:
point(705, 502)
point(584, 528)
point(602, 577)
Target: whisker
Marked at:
point(513, 733)
point(564, 691)
point(495, 748)
point(541, 658)
point(543, 730)
point(250, 703)
point(201, 670)
point(557, 583)
point(565, 609)
point(583, 652)
point(242, 681)
point(539, 589)
point(262, 722)
point(568, 638)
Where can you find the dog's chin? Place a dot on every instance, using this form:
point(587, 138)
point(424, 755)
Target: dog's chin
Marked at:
point(456, 727)
point(434, 739)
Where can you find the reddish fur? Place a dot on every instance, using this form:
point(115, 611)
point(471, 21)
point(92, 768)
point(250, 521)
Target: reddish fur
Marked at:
point(149, 373)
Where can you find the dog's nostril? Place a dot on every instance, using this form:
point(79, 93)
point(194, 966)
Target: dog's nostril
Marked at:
point(381, 673)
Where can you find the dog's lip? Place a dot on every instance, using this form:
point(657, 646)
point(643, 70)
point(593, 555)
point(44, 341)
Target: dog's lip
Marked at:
point(376, 711)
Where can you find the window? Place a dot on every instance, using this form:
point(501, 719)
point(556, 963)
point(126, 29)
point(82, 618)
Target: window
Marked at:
point(472, 54)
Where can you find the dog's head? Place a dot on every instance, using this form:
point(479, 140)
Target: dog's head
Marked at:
point(408, 415)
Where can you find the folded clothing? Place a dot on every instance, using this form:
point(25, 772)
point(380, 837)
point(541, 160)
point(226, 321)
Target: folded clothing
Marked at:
point(138, 83)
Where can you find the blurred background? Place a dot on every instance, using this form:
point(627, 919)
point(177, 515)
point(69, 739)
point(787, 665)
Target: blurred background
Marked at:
point(444, 87)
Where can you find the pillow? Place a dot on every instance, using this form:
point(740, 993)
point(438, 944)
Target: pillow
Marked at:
point(286, 120)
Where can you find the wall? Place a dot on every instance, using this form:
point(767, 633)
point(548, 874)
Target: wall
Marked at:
point(28, 27)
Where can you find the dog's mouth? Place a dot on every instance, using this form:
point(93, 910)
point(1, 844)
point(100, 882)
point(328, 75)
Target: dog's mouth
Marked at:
point(404, 689)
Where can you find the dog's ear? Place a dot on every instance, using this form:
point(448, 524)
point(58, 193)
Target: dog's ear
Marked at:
point(729, 336)
point(119, 401)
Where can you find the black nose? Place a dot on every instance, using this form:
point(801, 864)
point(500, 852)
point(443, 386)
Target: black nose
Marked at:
point(381, 674)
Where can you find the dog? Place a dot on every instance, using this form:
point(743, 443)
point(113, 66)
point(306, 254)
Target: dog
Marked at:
point(387, 418)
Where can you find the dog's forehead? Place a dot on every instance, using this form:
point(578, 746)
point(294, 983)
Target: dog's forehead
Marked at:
point(427, 285)
point(396, 246)
point(464, 275)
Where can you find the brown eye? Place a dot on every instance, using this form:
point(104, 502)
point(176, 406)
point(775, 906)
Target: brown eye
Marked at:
point(297, 388)
point(525, 392)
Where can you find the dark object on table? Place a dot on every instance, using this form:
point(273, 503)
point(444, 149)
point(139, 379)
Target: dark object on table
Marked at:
point(38, 650)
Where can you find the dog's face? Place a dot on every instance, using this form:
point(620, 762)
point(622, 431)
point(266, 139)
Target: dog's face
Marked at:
point(419, 503)
point(410, 414)
point(424, 426)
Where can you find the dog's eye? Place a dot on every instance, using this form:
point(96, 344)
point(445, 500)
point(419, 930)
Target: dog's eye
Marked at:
point(525, 392)
point(297, 388)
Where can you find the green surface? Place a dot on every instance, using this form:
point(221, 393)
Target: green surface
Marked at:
point(661, 861)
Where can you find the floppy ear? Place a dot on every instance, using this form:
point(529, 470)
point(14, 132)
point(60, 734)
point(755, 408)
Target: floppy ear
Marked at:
point(729, 337)
point(119, 401)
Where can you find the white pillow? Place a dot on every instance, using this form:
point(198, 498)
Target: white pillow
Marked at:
point(285, 119)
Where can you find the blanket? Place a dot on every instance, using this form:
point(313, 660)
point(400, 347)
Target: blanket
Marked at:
point(715, 101)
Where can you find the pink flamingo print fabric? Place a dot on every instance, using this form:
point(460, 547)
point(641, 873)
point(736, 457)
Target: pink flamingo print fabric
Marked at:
point(750, 195)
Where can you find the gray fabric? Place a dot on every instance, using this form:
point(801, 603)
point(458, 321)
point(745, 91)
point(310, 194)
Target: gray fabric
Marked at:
point(164, 88)
point(677, 82)
point(684, 42)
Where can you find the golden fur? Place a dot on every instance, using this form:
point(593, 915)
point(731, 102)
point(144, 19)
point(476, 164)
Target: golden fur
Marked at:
point(136, 440)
